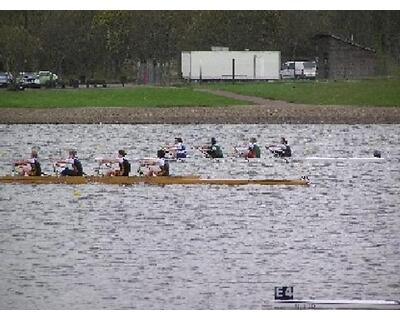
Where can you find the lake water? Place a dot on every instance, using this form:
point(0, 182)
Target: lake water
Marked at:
point(202, 247)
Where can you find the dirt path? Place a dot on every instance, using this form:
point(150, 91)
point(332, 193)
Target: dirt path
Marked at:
point(262, 111)
point(241, 97)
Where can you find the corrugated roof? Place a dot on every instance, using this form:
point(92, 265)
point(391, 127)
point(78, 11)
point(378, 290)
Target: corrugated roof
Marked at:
point(326, 35)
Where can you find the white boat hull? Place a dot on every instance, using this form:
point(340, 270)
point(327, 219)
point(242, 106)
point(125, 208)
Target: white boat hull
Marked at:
point(338, 304)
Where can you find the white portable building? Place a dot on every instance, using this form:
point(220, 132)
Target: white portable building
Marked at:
point(227, 65)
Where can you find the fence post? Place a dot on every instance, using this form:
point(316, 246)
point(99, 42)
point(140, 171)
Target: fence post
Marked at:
point(233, 71)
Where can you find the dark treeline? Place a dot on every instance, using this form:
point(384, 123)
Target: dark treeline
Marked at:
point(104, 43)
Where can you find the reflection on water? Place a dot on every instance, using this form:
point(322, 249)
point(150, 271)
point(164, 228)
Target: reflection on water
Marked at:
point(201, 247)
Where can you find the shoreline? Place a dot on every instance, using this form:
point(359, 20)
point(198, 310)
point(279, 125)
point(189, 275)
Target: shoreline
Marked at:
point(275, 112)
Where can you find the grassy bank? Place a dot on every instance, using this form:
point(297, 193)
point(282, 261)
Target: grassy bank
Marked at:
point(360, 93)
point(121, 97)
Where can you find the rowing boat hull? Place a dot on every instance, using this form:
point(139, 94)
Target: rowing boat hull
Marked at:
point(94, 179)
point(337, 304)
point(145, 180)
point(342, 159)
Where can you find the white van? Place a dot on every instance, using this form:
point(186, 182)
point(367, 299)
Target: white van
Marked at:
point(299, 70)
point(45, 76)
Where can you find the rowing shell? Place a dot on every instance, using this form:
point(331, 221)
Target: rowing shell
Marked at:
point(338, 304)
point(344, 159)
point(146, 180)
point(286, 159)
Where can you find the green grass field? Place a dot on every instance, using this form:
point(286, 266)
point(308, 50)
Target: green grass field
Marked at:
point(111, 97)
point(357, 93)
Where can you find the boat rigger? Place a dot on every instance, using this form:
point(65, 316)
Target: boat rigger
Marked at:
point(157, 180)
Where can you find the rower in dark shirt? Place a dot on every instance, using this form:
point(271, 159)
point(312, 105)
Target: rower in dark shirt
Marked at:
point(77, 169)
point(281, 150)
point(213, 151)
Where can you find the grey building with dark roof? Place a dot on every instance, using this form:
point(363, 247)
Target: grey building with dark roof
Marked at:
point(338, 58)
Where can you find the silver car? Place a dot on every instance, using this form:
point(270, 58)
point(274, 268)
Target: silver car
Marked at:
point(5, 79)
point(28, 80)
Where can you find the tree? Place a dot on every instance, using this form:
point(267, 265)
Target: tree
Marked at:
point(17, 46)
point(98, 43)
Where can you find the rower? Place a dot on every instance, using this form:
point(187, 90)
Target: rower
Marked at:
point(213, 151)
point(254, 150)
point(30, 167)
point(159, 166)
point(178, 149)
point(124, 165)
point(73, 160)
point(281, 150)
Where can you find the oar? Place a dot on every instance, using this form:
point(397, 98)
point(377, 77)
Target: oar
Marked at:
point(54, 169)
point(98, 168)
point(13, 173)
point(98, 159)
point(57, 165)
point(240, 154)
point(203, 150)
point(17, 164)
point(102, 161)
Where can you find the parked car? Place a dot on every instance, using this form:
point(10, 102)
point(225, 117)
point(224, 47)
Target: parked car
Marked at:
point(28, 80)
point(6, 79)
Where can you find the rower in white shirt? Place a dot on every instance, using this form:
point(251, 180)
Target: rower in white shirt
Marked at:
point(178, 149)
point(158, 166)
point(30, 167)
point(124, 167)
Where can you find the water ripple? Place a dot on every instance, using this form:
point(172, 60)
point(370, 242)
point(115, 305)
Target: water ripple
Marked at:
point(201, 247)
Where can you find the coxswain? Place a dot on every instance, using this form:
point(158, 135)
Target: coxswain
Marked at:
point(159, 166)
point(213, 151)
point(124, 165)
point(280, 150)
point(73, 160)
point(178, 149)
point(30, 167)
